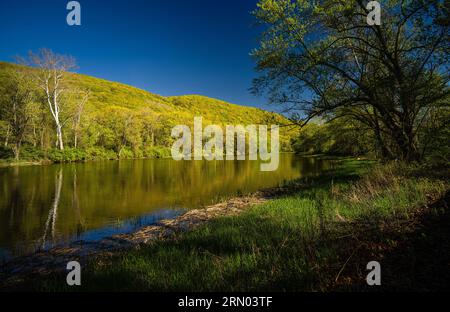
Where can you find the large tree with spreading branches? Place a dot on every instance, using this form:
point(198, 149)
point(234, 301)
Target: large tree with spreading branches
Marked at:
point(322, 59)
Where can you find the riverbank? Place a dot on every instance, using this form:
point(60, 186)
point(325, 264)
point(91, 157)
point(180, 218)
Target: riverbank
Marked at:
point(317, 234)
point(36, 156)
point(81, 156)
point(53, 261)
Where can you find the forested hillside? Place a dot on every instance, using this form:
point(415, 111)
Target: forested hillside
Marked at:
point(107, 120)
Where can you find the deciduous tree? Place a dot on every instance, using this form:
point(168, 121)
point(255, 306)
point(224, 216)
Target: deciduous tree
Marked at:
point(321, 58)
point(15, 99)
point(51, 76)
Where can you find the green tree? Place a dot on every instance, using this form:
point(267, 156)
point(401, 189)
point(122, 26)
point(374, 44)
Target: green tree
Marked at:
point(80, 100)
point(341, 136)
point(15, 101)
point(322, 59)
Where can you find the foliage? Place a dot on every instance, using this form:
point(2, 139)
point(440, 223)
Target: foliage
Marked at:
point(120, 121)
point(30, 153)
point(321, 58)
point(338, 137)
point(66, 155)
point(16, 98)
point(6, 153)
point(157, 152)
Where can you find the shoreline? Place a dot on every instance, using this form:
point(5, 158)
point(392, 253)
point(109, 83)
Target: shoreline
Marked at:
point(46, 262)
point(45, 162)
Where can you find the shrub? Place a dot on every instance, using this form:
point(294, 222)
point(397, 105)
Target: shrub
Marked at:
point(98, 153)
point(32, 153)
point(138, 153)
point(6, 152)
point(126, 153)
point(67, 155)
point(157, 152)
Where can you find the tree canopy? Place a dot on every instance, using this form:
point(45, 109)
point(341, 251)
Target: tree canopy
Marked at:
point(322, 59)
point(99, 119)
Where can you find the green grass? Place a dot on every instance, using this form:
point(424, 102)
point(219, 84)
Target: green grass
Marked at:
point(300, 242)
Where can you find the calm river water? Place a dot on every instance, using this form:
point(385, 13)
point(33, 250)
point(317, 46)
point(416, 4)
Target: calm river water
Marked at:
point(44, 206)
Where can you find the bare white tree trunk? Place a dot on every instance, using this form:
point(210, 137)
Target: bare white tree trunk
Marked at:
point(59, 136)
point(53, 69)
point(53, 96)
point(75, 139)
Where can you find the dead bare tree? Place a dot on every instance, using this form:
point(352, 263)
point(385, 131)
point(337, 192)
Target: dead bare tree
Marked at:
point(51, 76)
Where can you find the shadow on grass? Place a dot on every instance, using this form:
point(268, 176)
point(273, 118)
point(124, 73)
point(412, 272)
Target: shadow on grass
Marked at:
point(414, 253)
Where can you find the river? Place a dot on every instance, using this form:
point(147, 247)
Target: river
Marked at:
point(49, 205)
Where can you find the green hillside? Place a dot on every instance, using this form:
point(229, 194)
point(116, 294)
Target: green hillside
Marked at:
point(123, 121)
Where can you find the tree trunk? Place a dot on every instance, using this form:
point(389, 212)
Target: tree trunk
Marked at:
point(42, 134)
point(404, 141)
point(7, 137)
point(382, 147)
point(34, 136)
point(59, 137)
point(385, 152)
point(16, 151)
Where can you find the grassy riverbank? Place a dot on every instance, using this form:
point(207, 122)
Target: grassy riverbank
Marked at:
point(319, 238)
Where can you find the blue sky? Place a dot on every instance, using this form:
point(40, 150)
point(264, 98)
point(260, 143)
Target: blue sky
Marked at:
point(166, 47)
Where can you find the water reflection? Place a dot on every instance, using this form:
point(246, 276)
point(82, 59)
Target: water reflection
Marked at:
point(52, 214)
point(42, 206)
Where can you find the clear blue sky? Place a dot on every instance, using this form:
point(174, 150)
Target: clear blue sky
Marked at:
point(169, 47)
